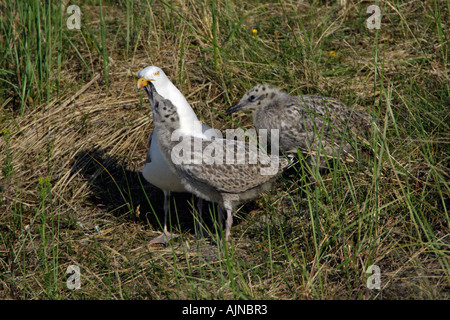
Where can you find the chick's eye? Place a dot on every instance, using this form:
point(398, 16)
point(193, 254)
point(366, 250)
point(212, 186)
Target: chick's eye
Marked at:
point(251, 98)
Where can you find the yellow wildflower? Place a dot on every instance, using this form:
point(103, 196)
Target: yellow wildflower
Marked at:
point(255, 32)
point(332, 53)
point(44, 182)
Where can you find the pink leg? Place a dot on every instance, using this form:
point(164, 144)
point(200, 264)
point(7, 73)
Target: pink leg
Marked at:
point(166, 236)
point(229, 223)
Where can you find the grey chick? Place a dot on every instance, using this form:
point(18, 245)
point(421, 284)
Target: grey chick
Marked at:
point(222, 171)
point(314, 124)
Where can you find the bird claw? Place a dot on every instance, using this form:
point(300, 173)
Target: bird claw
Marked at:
point(164, 238)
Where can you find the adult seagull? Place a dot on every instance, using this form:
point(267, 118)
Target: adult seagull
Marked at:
point(156, 170)
point(227, 184)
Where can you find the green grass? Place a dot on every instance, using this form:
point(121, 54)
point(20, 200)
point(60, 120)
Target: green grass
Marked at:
point(72, 151)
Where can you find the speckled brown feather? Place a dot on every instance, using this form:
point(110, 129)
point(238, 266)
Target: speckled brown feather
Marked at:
point(230, 178)
point(216, 178)
point(307, 122)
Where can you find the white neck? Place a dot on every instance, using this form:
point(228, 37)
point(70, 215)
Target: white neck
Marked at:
point(189, 123)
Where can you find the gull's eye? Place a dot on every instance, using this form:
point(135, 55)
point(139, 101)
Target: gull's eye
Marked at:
point(251, 98)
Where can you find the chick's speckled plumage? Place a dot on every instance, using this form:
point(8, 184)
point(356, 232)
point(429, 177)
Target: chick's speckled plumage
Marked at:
point(307, 122)
point(156, 170)
point(226, 181)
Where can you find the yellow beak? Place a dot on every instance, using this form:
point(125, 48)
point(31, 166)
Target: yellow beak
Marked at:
point(142, 82)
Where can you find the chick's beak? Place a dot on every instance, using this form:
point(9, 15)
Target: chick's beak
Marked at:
point(142, 82)
point(234, 108)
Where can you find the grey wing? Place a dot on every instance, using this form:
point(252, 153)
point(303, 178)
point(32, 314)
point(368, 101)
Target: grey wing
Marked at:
point(149, 159)
point(336, 112)
point(238, 176)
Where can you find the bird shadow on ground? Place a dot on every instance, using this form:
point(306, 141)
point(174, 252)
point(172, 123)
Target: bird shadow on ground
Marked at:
point(126, 194)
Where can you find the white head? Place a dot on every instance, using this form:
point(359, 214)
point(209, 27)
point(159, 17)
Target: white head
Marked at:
point(153, 74)
point(188, 120)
